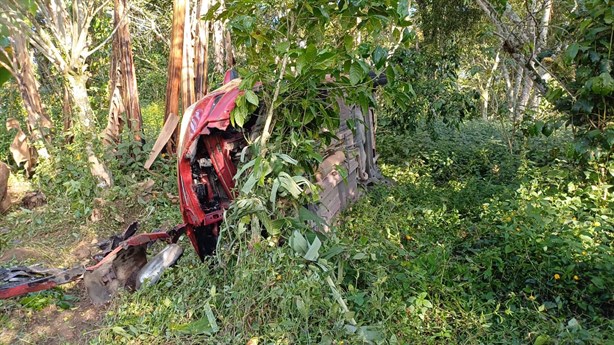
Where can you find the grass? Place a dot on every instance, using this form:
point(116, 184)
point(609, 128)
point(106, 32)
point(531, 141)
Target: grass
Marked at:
point(471, 244)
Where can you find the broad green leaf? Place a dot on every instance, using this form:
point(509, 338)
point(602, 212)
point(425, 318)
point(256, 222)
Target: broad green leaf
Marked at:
point(348, 43)
point(379, 56)
point(298, 243)
point(542, 340)
point(211, 13)
point(572, 51)
point(251, 97)
point(306, 215)
point(287, 158)
point(301, 62)
point(5, 75)
point(244, 167)
point(333, 251)
point(403, 8)
point(211, 318)
point(200, 326)
point(407, 34)
point(300, 305)
point(410, 89)
point(289, 185)
point(274, 189)
point(238, 116)
point(356, 73)
point(359, 256)
point(249, 184)
point(311, 52)
point(313, 252)
point(390, 74)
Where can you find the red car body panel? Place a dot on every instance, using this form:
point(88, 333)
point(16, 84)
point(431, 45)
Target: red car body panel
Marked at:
point(207, 138)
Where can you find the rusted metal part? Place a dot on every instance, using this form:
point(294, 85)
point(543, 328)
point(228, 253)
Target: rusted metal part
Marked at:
point(123, 258)
point(118, 270)
point(120, 267)
point(20, 280)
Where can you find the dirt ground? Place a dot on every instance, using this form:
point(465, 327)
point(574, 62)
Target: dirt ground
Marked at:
point(23, 324)
point(51, 325)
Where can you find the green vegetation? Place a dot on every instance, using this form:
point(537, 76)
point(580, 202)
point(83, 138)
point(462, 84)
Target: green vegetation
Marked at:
point(470, 244)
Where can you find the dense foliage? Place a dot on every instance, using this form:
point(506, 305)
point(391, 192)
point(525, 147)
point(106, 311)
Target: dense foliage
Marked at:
point(471, 244)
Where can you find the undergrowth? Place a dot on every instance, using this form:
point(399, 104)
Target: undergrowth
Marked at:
point(471, 244)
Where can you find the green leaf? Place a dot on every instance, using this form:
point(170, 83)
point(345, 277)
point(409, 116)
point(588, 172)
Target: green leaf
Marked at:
point(403, 8)
point(379, 56)
point(542, 340)
point(298, 243)
point(301, 62)
point(313, 252)
point(348, 43)
point(287, 159)
point(572, 51)
point(211, 13)
point(211, 318)
point(200, 326)
point(410, 89)
point(603, 84)
point(5, 75)
point(306, 215)
point(249, 184)
point(282, 47)
point(311, 52)
point(359, 256)
point(289, 184)
point(336, 250)
point(239, 115)
point(244, 167)
point(251, 97)
point(121, 332)
point(407, 34)
point(274, 189)
point(356, 73)
point(300, 305)
point(390, 74)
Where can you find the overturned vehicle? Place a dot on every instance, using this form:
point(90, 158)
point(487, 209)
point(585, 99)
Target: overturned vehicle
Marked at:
point(208, 152)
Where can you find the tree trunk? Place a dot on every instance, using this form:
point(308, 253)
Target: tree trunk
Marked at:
point(124, 92)
point(486, 93)
point(115, 122)
point(218, 44)
point(517, 89)
point(130, 91)
point(201, 47)
point(38, 122)
point(5, 199)
point(513, 40)
point(173, 84)
point(525, 95)
point(85, 115)
point(187, 70)
point(230, 57)
point(509, 90)
point(67, 114)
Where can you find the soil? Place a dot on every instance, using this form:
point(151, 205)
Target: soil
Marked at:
point(19, 255)
point(53, 325)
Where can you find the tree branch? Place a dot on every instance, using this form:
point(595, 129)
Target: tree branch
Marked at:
point(92, 51)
